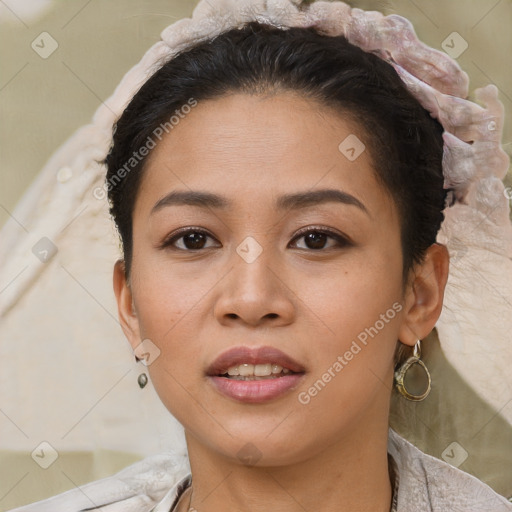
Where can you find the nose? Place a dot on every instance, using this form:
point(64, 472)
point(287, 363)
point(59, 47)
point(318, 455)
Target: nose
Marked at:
point(255, 293)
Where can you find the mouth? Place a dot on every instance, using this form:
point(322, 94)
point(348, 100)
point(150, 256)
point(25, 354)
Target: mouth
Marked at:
point(254, 375)
point(261, 371)
point(257, 362)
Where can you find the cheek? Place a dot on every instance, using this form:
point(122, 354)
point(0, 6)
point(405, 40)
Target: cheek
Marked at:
point(168, 295)
point(357, 311)
point(353, 295)
point(174, 309)
point(351, 365)
point(167, 309)
point(166, 304)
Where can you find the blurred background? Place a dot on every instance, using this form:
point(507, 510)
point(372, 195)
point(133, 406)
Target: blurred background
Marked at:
point(59, 62)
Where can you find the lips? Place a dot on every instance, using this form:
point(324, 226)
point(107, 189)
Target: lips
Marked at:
point(247, 355)
point(256, 389)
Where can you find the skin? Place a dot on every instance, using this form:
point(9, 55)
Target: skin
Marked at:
point(331, 453)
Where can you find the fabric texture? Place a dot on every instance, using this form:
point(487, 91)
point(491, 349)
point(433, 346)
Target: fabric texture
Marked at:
point(422, 483)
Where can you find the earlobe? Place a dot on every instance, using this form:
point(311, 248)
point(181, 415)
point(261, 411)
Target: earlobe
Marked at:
point(125, 305)
point(425, 295)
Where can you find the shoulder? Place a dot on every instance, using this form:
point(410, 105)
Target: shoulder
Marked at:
point(428, 483)
point(136, 488)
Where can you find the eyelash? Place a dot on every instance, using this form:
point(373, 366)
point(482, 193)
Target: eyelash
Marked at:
point(341, 240)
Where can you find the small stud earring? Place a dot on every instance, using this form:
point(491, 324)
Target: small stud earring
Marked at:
point(142, 379)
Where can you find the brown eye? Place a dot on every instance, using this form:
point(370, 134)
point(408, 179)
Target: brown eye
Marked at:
point(316, 239)
point(190, 239)
point(194, 240)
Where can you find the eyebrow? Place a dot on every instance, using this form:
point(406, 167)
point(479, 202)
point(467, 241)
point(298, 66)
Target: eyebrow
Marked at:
point(293, 201)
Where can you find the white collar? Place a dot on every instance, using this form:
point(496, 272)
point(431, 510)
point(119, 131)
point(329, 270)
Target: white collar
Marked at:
point(170, 498)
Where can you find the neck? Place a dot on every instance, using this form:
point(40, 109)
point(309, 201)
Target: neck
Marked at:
point(349, 475)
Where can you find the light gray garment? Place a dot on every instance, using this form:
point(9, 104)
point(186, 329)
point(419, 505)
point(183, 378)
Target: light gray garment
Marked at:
point(422, 484)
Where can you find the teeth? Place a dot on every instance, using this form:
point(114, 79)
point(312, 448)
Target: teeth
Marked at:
point(262, 370)
point(256, 370)
point(246, 369)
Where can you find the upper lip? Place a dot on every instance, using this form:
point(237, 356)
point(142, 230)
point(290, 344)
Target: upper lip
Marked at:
point(252, 355)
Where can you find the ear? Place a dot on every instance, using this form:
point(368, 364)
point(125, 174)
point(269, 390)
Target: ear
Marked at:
point(125, 307)
point(424, 295)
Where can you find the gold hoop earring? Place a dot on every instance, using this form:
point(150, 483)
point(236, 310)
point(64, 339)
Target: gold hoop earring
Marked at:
point(400, 376)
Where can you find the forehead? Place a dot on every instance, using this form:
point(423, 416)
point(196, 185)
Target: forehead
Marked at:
point(254, 146)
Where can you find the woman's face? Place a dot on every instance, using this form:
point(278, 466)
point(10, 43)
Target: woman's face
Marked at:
point(249, 277)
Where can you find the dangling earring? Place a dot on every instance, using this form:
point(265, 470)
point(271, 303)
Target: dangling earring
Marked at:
point(142, 378)
point(400, 375)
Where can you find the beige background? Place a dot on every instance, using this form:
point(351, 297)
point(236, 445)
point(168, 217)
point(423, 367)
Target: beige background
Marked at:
point(43, 101)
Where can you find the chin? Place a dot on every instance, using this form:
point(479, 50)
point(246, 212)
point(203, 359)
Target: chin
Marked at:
point(259, 445)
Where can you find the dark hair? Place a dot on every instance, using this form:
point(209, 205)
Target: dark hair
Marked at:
point(404, 141)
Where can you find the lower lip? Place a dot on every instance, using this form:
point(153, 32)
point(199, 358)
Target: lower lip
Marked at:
point(256, 391)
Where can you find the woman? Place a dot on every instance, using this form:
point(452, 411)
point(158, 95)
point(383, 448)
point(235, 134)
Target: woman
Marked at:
point(278, 193)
